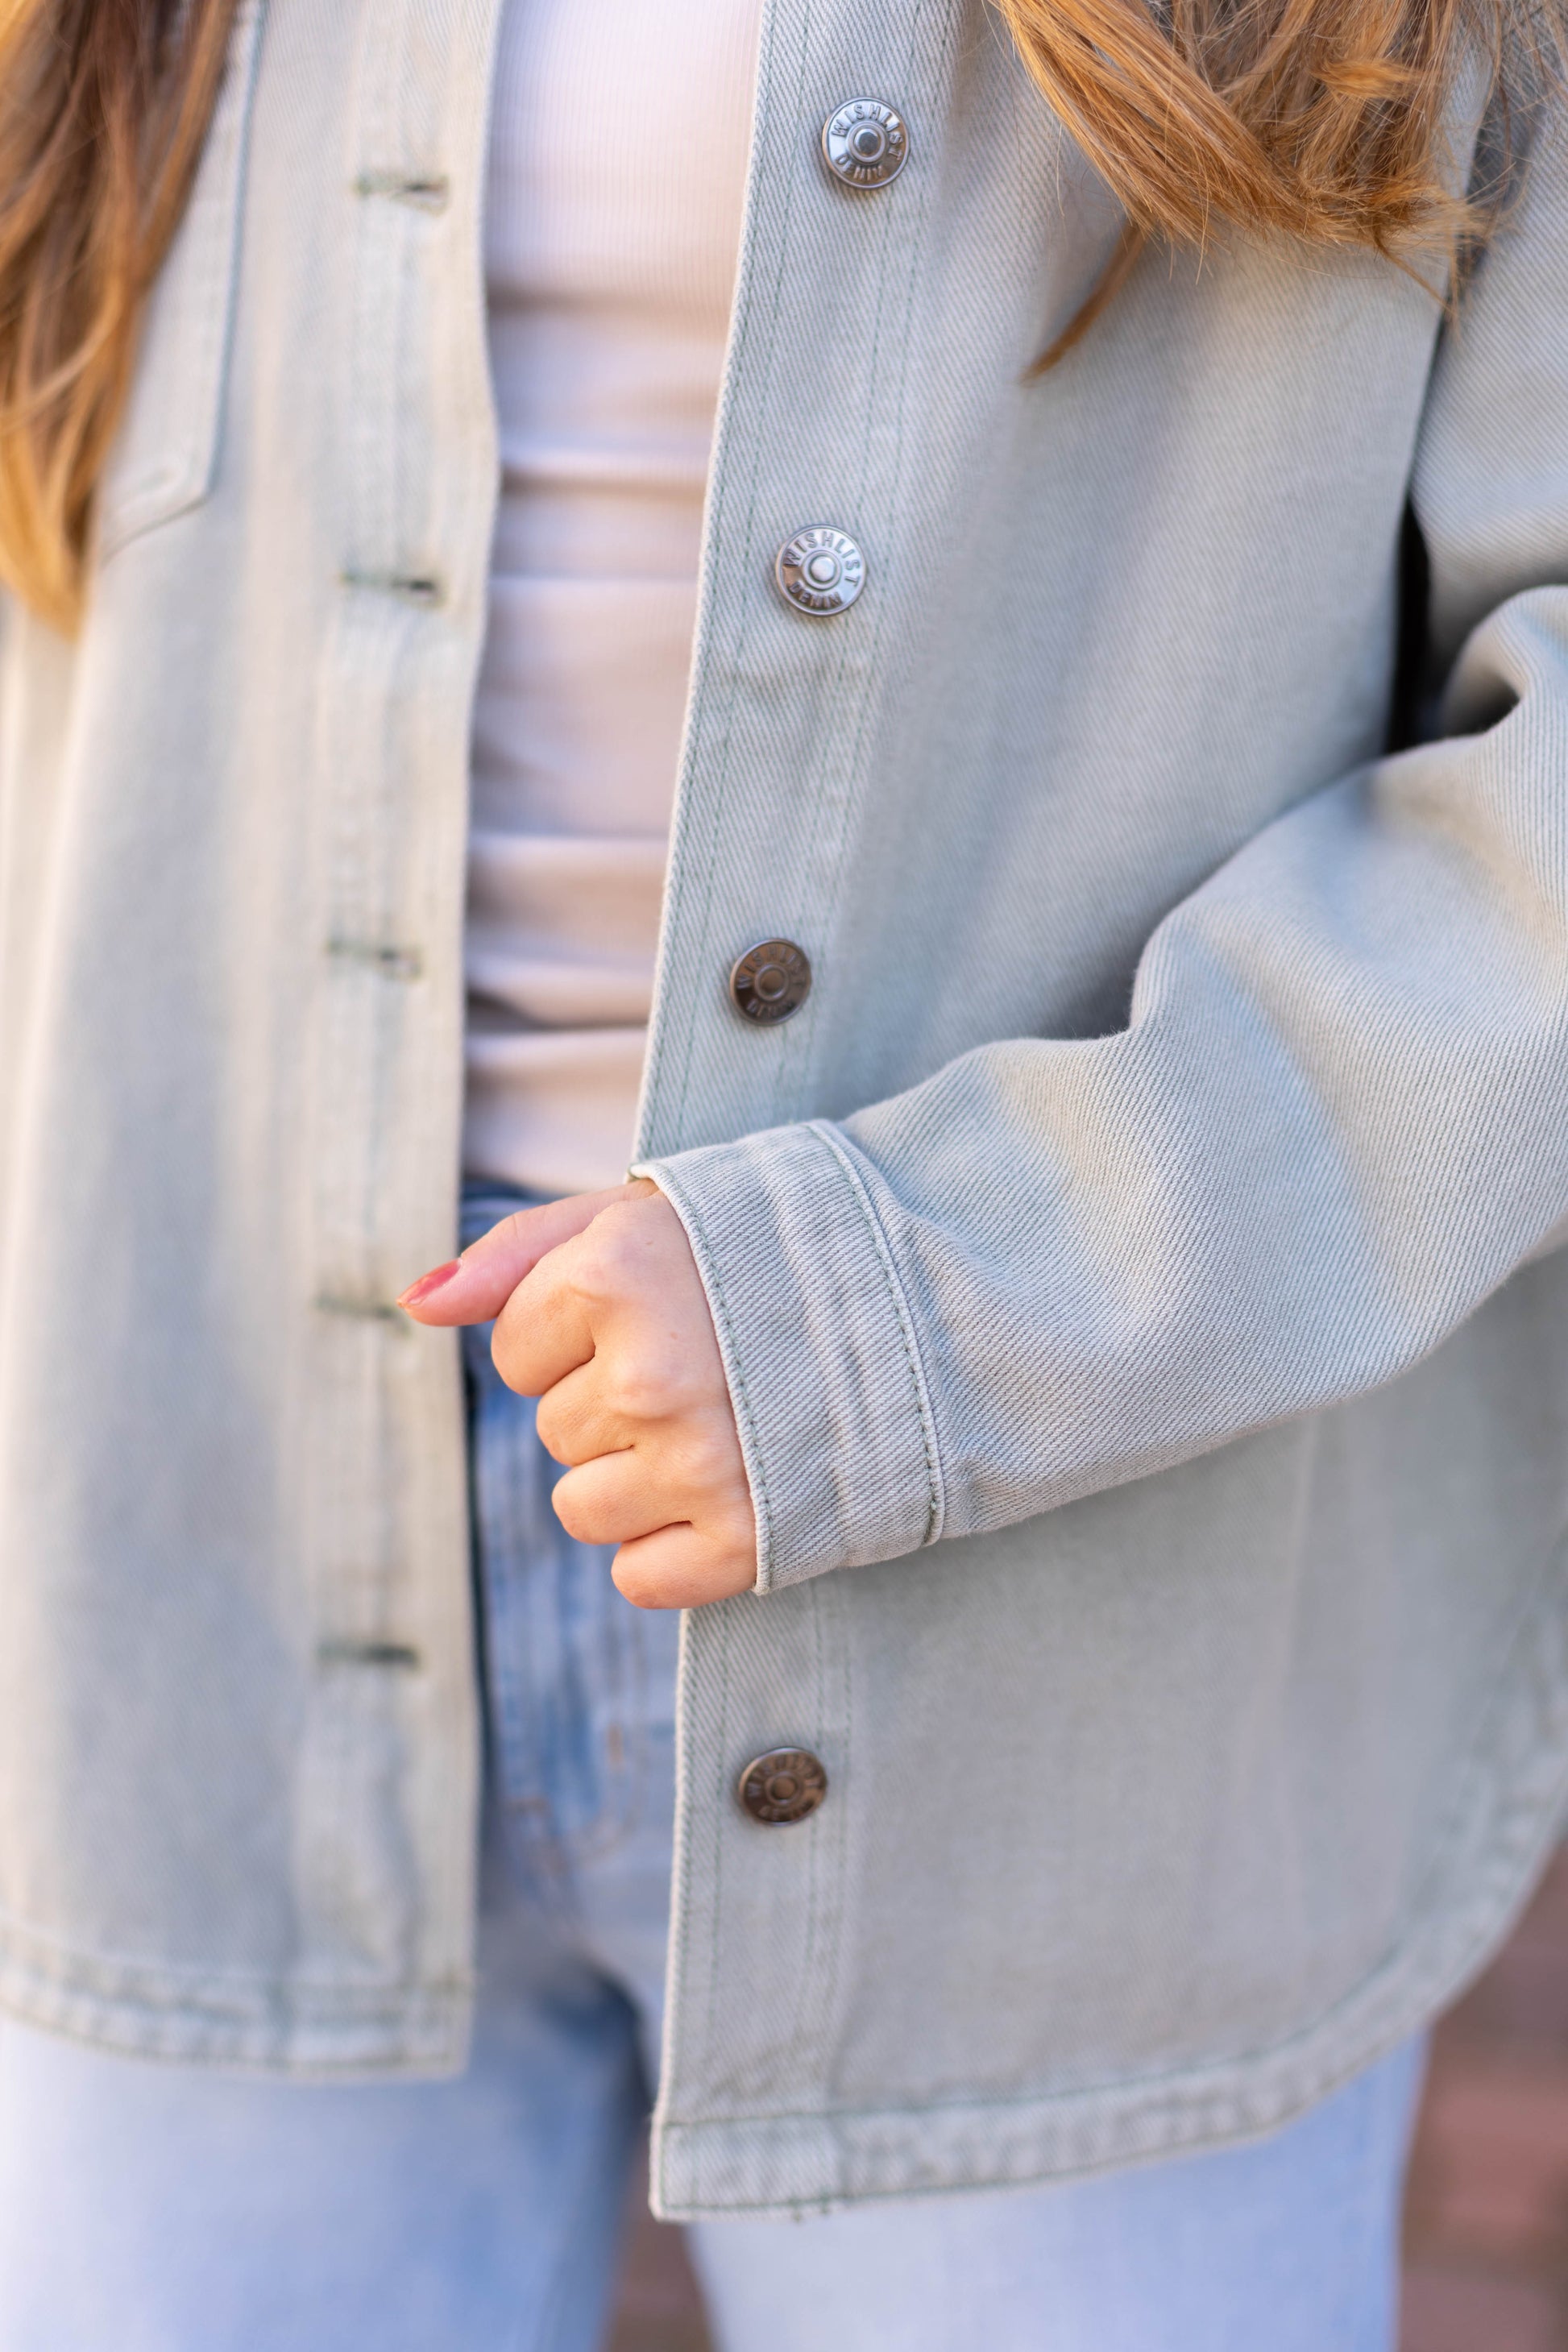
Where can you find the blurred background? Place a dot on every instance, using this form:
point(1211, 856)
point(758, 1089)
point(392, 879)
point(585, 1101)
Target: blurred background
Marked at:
point(1487, 2221)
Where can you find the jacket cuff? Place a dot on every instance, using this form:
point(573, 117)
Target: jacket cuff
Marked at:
point(819, 1348)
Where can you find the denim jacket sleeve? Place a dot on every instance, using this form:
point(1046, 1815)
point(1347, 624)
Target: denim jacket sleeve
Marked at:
point(1336, 1121)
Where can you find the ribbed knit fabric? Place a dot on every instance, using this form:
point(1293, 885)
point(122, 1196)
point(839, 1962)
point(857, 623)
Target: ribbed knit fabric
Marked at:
point(616, 182)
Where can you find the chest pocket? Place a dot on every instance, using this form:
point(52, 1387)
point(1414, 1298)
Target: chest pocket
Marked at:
point(165, 454)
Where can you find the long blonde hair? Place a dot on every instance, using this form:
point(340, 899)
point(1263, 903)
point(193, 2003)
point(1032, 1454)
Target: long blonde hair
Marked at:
point(104, 108)
point(1322, 120)
point(1318, 119)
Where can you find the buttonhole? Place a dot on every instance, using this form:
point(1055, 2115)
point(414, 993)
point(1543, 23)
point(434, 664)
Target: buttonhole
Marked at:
point(427, 191)
point(421, 588)
point(398, 1654)
point(395, 963)
point(367, 1310)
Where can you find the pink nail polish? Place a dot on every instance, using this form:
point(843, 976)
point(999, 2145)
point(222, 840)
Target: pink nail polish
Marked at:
point(428, 1284)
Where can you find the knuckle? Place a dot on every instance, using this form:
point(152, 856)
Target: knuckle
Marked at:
point(635, 1389)
point(575, 1512)
point(552, 1420)
point(604, 1259)
point(638, 1583)
point(706, 1460)
point(621, 1222)
point(708, 1456)
point(511, 1350)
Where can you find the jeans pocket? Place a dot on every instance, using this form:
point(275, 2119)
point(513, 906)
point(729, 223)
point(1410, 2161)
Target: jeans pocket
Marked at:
point(565, 1680)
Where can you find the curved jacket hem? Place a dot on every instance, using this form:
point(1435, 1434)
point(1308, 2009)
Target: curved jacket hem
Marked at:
point(251, 2024)
point(1507, 1815)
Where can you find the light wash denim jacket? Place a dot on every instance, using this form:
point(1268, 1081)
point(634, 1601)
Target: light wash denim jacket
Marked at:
point(1133, 1264)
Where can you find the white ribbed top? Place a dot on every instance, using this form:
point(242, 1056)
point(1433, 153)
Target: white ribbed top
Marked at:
point(617, 180)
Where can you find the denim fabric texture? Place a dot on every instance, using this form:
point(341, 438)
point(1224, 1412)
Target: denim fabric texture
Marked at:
point(479, 2214)
point(579, 1687)
point(147, 2207)
point(1133, 1263)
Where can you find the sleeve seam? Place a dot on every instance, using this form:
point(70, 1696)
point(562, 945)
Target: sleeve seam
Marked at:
point(848, 1160)
point(735, 1370)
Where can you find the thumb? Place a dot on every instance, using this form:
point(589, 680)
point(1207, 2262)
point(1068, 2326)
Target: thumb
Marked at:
point(473, 1287)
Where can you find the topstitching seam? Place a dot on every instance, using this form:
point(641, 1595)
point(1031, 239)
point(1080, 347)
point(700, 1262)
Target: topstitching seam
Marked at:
point(844, 1154)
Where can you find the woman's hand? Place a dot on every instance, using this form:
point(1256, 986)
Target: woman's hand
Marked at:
point(602, 1316)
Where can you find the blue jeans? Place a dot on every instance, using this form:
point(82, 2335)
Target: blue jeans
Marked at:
point(155, 2209)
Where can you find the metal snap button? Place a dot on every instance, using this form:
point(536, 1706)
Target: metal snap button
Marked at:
point(819, 569)
point(784, 1785)
point(865, 143)
point(770, 981)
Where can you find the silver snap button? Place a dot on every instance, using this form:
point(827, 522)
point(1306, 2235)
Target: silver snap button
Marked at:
point(865, 143)
point(819, 569)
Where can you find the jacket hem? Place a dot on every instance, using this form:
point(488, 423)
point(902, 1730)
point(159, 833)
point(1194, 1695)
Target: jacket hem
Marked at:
point(1507, 1815)
point(309, 2031)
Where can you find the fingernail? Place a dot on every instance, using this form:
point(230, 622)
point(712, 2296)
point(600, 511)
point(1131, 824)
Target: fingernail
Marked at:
point(428, 1284)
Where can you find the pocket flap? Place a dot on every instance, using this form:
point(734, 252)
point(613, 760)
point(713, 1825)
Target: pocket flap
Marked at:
point(166, 453)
